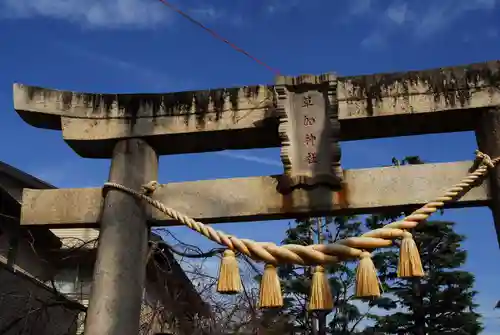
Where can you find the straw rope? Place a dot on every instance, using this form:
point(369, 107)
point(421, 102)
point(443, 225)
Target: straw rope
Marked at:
point(353, 247)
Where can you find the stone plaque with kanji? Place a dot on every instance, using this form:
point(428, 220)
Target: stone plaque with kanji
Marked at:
point(309, 131)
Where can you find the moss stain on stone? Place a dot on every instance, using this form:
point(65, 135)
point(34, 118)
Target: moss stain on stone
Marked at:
point(251, 91)
point(170, 104)
point(33, 91)
point(66, 99)
point(233, 95)
point(218, 99)
point(453, 83)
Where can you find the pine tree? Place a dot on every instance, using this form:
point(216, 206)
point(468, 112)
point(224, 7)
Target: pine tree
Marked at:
point(296, 280)
point(440, 303)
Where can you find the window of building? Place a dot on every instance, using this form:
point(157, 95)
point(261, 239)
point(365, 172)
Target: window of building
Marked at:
point(66, 280)
point(74, 280)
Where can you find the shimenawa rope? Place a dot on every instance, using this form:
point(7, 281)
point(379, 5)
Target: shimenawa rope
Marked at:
point(319, 254)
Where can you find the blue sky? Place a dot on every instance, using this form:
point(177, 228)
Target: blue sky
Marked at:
point(142, 46)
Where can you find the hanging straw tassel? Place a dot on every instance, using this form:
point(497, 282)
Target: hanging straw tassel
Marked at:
point(321, 295)
point(270, 288)
point(367, 285)
point(229, 274)
point(410, 264)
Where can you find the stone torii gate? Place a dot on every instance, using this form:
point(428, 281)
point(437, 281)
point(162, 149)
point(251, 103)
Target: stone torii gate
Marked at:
point(306, 116)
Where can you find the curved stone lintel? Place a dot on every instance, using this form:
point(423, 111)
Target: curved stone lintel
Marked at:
point(369, 106)
point(49, 103)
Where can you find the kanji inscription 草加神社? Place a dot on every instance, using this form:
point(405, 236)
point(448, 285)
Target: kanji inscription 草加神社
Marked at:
point(306, 116)
point(310, 132)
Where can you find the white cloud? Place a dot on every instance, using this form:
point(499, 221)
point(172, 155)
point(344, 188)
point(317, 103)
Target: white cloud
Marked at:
point(359, 7)
point(441, 15)
point(375, 39)
point(423, 22)
point(280, 6)
point(92, 13)
point(210, 14)
point(250, 158)
point(398, 13)
point(436, 18)
point(485, 4)
point(112, 14)
point(483, 36)
point(102, 58)
point(207, 13)
point(151, 78)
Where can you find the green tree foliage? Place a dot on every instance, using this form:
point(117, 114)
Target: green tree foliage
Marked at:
point(440, 303)
point(296, 280)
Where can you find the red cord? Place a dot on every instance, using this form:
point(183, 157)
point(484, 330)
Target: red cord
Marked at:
point(219, 37)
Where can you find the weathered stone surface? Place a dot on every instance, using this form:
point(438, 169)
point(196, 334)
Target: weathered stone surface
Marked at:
point(405, 94)
point(46, 102)
point(256, 198)
point(488, 140)
point(371, 106)
point(309, 131)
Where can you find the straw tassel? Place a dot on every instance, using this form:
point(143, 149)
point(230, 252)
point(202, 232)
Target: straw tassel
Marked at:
point(321, 295)
point(410, 264)
point(270, 288)
point(367, 284)
point(229, 274)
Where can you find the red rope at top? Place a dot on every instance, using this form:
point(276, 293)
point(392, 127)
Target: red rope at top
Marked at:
point(219, 37)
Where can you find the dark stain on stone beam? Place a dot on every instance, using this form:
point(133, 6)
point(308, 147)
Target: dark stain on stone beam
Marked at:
point(451, 83)
point(169, 104)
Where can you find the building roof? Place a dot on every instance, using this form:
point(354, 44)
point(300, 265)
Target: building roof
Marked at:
point(12, 182)
point(20, 273)
point(23, 178)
